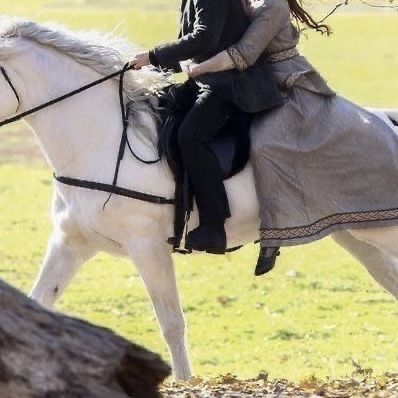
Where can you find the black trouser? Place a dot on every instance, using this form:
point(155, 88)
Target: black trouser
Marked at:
point(207, 114)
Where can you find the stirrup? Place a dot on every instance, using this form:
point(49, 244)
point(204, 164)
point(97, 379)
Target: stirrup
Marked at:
point(179, 250)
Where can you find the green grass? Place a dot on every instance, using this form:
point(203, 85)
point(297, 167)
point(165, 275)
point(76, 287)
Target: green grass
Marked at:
point(314, 314)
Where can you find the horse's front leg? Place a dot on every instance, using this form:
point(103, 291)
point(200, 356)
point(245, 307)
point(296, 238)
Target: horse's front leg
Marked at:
point(155, 265)
point(64, 257)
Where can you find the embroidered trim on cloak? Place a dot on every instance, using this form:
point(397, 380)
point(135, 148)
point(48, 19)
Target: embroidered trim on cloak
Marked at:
point(328, 222)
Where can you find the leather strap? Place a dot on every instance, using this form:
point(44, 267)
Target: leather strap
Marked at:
point(128, 193)
point(21, 115)
point(8, 80)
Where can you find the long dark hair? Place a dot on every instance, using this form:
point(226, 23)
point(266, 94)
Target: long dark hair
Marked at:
point(302, 16)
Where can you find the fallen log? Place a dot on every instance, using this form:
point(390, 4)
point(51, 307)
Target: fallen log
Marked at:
point(48, 355)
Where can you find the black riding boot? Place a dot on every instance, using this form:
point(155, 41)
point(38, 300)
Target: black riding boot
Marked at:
point(208, 237)
point(266, 260)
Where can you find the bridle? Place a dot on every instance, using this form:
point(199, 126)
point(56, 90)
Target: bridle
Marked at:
point(98, 186)
point(8, 80)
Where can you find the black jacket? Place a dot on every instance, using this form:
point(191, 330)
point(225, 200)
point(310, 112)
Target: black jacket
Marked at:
point(211, 26)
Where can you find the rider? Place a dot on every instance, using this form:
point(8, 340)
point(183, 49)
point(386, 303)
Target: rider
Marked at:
point(208, 27)
point(322, 154)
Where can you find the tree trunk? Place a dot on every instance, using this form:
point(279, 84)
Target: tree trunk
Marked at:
point(47, 355)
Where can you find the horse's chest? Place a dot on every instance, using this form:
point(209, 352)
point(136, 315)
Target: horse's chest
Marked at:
point(110, 228)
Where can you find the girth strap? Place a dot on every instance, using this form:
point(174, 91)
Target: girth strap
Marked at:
point(112, 189)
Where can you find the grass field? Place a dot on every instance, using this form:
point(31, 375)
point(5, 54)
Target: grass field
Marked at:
point(314, 315)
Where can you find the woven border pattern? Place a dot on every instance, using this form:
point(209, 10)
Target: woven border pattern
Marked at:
point(237, 58)
point(283, 55)
point(320, 225)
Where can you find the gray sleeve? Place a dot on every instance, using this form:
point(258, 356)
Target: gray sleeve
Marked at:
point(268, 20)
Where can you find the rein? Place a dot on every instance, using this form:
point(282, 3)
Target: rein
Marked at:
point(8, 80)
point(109, 188)
point(54, 101)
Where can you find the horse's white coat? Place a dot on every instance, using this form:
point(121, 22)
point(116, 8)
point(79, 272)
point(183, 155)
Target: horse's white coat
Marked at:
point(80, 138)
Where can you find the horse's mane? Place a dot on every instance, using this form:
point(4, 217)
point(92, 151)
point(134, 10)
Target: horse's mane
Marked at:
point(102, 52)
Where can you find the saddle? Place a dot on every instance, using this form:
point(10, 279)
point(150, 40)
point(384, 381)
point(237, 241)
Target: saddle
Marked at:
point(231, 146)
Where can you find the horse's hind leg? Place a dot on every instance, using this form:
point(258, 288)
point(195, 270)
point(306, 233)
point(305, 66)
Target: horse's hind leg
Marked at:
point(155, 265)
point(381, 265)
point(64, 257)
point(384, 238)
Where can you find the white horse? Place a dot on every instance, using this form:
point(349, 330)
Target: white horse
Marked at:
point(80, 138)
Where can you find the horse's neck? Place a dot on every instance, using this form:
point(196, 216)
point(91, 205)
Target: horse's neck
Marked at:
point(81, 133)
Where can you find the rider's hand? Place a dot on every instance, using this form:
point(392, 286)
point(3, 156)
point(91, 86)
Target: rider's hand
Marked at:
point(140, 60)
point(194, 70)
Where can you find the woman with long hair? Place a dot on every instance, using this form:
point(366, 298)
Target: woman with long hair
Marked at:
point(320, 162)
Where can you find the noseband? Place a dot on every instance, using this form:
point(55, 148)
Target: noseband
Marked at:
point(8, 80)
